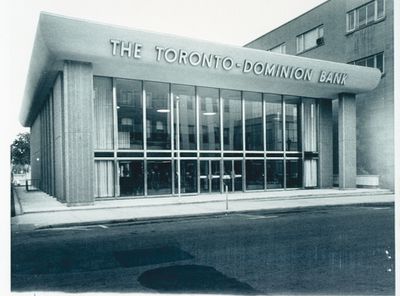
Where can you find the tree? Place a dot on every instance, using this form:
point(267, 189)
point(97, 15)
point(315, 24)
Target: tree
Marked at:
point(20, 150)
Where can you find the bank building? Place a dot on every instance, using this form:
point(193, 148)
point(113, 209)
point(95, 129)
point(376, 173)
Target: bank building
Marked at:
point(120, 113)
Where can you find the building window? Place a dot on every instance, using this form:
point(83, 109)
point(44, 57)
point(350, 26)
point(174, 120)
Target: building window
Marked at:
point(232, 119)
point(184, 97)
point(103, 113)
point(281, 48)
point(131, 177)
point(273, 122)
point(209, 118)
point(365, 15)
point(374, 61)
point(254, 174)
point(130, 114)
point(253, 121)
point(292, 121)
point(159, 176)
point(310, 39)
point(104, 178)
point(158, 115)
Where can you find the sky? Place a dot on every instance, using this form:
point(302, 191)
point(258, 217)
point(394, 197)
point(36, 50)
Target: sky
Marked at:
point(224, 21)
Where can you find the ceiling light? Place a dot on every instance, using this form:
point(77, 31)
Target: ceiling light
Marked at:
point(163, 110)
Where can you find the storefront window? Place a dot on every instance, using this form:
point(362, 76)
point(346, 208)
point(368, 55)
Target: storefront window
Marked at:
point(103, 113)
point(274, 122)
point(130, 114)
point(159, 181)
point(158, 114)
point(232, 120)
point(131, 178)
point(188, 176)
point(209, 116)
point(293, 173)
point(274, 173)
point(185, 101)
point(275, 118)
point(253, 121)
point(292, 123)
point(254, 174)
point(104, 178)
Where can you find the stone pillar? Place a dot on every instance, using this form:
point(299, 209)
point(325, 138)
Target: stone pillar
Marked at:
point(78, 133)
point(347, 141)
point(325, 144)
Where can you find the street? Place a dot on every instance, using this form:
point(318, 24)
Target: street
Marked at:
point(321, 250)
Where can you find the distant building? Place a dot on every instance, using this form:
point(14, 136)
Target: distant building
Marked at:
point(117, 112)
point(358, 32)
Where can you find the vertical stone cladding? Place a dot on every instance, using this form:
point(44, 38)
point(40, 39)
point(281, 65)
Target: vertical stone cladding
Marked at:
point(325, 144)
point(347, 141)
point(78, 132)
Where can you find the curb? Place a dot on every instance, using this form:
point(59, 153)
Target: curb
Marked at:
point(161, 219)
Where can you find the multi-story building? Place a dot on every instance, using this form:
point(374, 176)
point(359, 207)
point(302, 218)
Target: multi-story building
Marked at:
point(356, 32)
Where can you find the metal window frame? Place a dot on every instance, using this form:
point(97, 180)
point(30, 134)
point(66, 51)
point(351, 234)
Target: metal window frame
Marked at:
point(176, 157)
point(302, 38)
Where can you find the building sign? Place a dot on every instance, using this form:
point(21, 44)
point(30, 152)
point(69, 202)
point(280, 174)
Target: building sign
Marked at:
point(212, 61)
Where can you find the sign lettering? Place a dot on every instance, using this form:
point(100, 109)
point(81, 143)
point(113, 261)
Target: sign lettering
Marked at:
point(227, 63)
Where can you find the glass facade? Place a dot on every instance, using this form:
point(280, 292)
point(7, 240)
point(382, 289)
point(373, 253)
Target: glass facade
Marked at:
point(253, 121)
point(130, 114)
point(155, 139)
point(209, 118)
point(232, 106)
point(158, 112)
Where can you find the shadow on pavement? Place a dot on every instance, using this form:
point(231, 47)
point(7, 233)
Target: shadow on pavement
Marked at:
point(192, 279)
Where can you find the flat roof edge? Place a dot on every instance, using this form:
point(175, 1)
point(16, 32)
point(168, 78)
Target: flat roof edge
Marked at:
point(59, 39)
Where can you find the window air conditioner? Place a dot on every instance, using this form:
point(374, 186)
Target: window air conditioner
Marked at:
point(320, 41)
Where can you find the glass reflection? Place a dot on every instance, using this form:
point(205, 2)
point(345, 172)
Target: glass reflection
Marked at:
point(253, 121)
point(274, 122)
point(232, 119)
point(158, 115)
point(292, 110)
point(274, 174)
point(209, 115)
point(159, 177)
point(254, 174)
point(293, 173)
point(131, 177)
point(130, 114)
point(185, 100)
point(188, 176)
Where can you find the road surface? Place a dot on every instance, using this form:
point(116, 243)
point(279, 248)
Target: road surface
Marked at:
point(325, 250)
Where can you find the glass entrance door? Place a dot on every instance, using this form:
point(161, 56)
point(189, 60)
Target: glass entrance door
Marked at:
point(210, 176)
point(233, 175)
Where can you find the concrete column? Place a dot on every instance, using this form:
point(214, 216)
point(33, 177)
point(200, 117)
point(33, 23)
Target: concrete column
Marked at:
point(78, 133)
point(58, 128)
point(325, 144)
point(347, 141)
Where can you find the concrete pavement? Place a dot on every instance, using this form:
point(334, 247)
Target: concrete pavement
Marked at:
point(38, 210)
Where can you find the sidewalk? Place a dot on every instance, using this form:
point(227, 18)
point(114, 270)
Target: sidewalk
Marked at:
point(39, 210)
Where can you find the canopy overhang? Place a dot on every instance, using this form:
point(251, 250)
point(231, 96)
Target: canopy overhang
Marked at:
point(122, 52)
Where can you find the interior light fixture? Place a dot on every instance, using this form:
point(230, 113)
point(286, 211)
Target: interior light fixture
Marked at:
point(209, 113)
point(163, 110)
